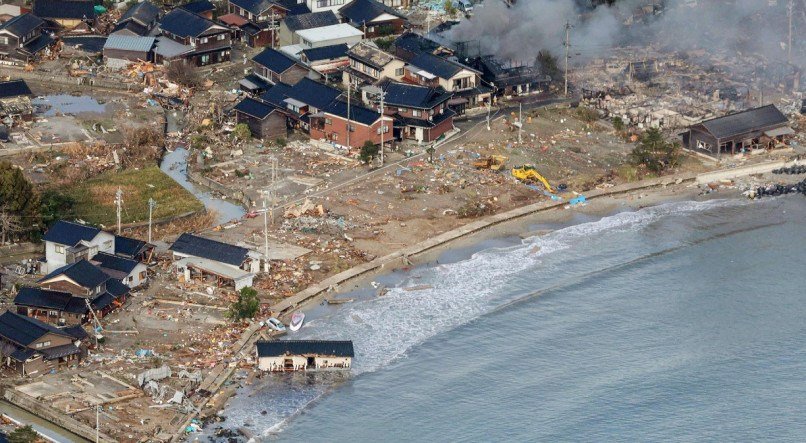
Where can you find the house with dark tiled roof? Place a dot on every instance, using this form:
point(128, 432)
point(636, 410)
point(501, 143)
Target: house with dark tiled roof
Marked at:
point(409, 45)
point(133, 248)
point(327, 61)
point(293, 23)
point(277, 67)
point(66, 14)
point(193, 38)
point(373, 18)
point(67, 242)
point(32, 347)
point(131, 273)
point(465, 82)
point(23, 38)
point(762, 127)
point(204, 8)
point(298, 102)
point(196, 256)
point(263, 19)
point(421, 113)
point(265, 120)
point(349, 126)
point(139, 20)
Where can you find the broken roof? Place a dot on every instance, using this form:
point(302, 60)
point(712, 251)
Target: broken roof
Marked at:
point(14, 88)
point(310, 20)
point(189, 244)
point(128, 247)
point(364, 11)
point(22, 24)
point(70, 233)
point(330, 348)
point(144, 13)
point(438, 66)
point(53, 300)
point(326, 52)
point(24, 330)
point(745, 121)
point(416, 43)
point(183, 23)
point(371, 55)
point(115, 263)
point(64, 9)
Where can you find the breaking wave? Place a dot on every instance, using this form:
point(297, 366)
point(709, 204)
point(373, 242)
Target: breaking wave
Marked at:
point(441, 298)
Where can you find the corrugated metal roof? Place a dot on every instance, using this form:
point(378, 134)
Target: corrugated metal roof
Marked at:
point(331, 32)
point(746, 121)
point(129, 43)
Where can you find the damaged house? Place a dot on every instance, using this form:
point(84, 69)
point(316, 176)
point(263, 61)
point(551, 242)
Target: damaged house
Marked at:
point(274, 66)
point(196, 256)
point(66, 15)
point(30, 347)
point(15, 101)
point(368, 65)
point(259, 20)
point(304, 355)
point(508, 79)
point(139, 20)
point(302, 100)
point(757, 128)
point(23, 39)
point(469, 91)
point(327, 61)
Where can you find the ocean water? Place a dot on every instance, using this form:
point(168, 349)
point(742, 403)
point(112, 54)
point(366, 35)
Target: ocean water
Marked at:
point(681, 322)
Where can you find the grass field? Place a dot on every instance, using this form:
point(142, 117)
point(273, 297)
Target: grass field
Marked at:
point(95, 198)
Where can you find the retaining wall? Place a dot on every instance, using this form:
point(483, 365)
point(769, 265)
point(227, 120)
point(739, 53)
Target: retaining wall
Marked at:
point(63, 79)
point(728, 174)
point(221, 189)
point(52, 415)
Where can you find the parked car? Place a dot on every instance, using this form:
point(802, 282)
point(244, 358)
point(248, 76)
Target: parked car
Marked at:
point(275, 324)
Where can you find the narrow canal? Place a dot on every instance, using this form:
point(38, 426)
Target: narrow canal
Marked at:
point(44, 427)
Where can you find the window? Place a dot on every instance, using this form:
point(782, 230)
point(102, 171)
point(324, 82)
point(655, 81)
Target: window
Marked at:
point(417, 113)
point(222, 37)
point(351, 128)
point(399, 71)
point(205, 59)
point(328, 121)
point(203, 40)
point(3, 40)
point(59, 249)
point(108, 245)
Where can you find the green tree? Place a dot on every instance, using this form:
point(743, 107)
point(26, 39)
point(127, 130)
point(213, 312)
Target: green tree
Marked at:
point(24, 434)
point(55, 206)
point(618, 123)
point(242, 131)
point(449, 8)
point(18, 198)
point(247, 305)
point(655, 153)
point(368, 151)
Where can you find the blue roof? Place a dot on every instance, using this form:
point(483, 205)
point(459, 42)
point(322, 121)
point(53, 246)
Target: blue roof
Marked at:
point(437, 65)
point(24, 330)
point(276, 94)
point(358, 114)
point(310, 20)
point(330, 348)
point(189, 244)
point(364, 11)
point(186, 24)
point(82, 272)
point(22, 24)
point(326, 52)
point(254, 108)
point(115, 288)
point(69, 233)
point(414, 96)
point(102, 301)
point(274, 60)
point(256, 7)
point(55, 300)
point(199, 6)
point(144, 13)
point(14, 88)
point(115, 263)
point(313, 93)
point(128, 247)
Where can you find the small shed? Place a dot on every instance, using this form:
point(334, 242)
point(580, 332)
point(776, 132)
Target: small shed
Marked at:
point(122, 50)
point(304, 355)
point(265, 121)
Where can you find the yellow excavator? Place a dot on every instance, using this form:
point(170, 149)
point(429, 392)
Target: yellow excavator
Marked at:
point(528, 174)
point(493, 163)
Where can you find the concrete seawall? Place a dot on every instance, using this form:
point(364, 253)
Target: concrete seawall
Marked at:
point(742, 171)
point(54, 416)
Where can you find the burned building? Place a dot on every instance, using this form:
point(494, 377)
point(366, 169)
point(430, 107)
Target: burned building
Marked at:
point(761, 127)
point(510, 79)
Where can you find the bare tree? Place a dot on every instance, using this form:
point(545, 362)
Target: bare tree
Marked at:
point(10, 224)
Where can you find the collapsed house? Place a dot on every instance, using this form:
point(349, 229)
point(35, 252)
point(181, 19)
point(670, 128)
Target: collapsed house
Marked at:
point(201, 257)
point(327, 61)
point(138, 21)
point(757, 128)
point(15, 102)
point(30, 347)
point(510, 79)
point(67, 15)
point(368, 65)
point(304, 355)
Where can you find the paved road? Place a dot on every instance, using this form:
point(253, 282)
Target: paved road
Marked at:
point(468, 127)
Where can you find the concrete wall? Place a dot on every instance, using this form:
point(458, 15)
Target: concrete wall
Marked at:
point(52, 415)
point(728, 174)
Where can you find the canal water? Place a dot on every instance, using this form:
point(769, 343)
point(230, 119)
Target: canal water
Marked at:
point(50, 105)
point(44, 427)
point(681, 322)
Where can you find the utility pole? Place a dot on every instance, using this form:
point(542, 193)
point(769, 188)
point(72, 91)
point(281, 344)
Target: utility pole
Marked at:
point(265, 234)
point(97, 423)
point(273, 30)
point(119, 204)
point(151, 205)
point(567, 45)
point(489, 104)
point(383, 125)
point(349, 93)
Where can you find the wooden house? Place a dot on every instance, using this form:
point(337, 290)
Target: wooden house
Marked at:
point(368, 65)
point(15, 100)
point(201, 257)
point(265, 121)
point(23, 39)
point(761, 127)
point(374, 19)
point(204, 42)
point(277, 67)
point(293, 23)
point(139, 20)
point(66, 15)
point(32, 347)
point(421, 113)
point(304, 355)
point(350, 126)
